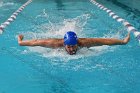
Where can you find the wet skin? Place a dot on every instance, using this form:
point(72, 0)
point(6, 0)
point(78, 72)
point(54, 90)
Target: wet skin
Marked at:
point(71, 49)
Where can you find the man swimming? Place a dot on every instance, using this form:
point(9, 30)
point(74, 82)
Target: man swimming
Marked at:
point(71, 42)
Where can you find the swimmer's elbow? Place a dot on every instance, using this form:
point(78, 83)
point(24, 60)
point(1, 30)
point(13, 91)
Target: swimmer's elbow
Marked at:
point(124, 43)
point(20, 43)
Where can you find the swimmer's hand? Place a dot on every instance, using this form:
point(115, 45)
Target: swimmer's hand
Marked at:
point(127, 38)
point(20, 37)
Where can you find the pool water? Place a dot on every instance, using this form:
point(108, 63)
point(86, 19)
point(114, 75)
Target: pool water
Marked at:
point(104, 69)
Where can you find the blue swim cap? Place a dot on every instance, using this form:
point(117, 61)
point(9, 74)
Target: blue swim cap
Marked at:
point(70, 38)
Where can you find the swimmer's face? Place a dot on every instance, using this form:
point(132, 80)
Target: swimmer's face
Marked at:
point(71, 49)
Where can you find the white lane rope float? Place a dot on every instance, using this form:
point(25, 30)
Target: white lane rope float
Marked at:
point(129, 27)
point(13, 17)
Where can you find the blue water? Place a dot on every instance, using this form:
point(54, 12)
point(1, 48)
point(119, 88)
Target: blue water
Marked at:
point(104, 69)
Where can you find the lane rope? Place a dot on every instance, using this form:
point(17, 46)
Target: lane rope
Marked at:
point(13, 17)
point(113, 15)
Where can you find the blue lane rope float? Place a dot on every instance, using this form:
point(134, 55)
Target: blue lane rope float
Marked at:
point(13, 17)
point(129, 27)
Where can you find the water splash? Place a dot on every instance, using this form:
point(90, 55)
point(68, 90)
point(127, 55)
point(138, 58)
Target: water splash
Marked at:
point(50, 30)
point(60, 54)
point(43, 14)
point(57, 30)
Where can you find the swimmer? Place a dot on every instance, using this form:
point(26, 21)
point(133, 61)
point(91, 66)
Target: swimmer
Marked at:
point(71, 42)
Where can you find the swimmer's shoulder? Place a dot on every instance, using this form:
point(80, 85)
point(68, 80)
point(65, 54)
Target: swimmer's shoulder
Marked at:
point(54, 42)
point(82, 42)
point(86, 42)
point(58, 42)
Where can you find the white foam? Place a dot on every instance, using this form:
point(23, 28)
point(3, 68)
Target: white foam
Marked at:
point(2, 4)
point(62, 55)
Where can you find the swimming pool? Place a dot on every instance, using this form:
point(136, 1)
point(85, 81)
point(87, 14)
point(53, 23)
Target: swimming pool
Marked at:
point(105, 69)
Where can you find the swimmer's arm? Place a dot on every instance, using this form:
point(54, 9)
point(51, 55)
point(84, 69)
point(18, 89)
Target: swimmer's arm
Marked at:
point(50, 43)
point(89, 42)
